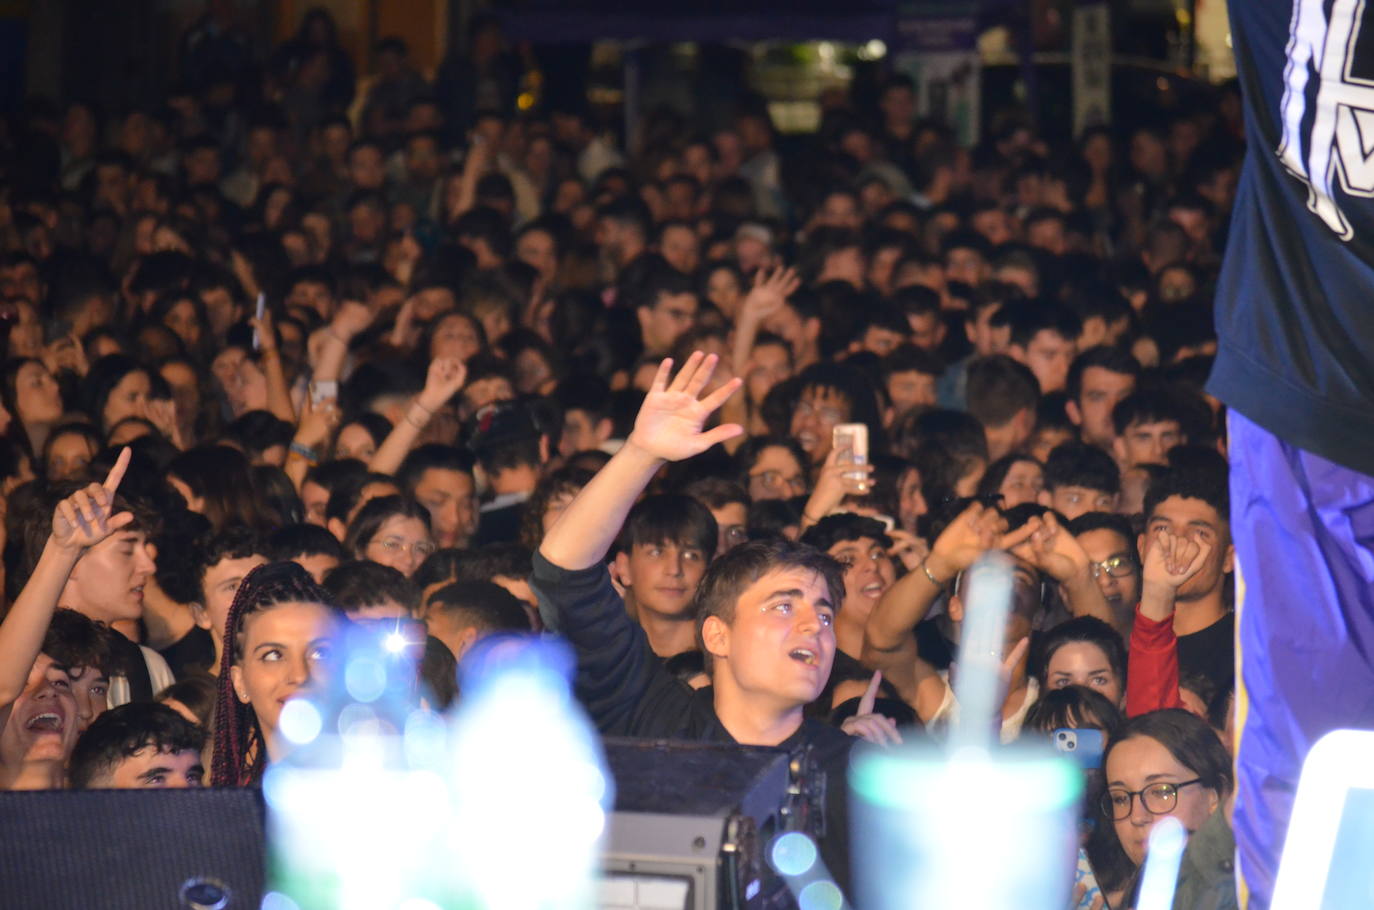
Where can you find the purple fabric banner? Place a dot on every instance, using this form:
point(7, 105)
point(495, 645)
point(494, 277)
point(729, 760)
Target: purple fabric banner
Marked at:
point(1304, 536)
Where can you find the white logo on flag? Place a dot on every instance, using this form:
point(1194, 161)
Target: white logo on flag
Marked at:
point(1340, 146)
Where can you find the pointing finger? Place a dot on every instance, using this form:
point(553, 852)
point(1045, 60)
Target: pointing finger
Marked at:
point(871, 693)
point(117, 472)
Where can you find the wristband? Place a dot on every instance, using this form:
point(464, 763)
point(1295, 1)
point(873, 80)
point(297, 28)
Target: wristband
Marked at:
point(304, 451)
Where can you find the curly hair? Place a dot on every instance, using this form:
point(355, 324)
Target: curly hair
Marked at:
point(240, 749)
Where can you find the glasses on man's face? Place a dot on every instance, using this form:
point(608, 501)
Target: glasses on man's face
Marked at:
point(393, 545)
point(1116, 567)
point(774, 480)
point(1158, 799)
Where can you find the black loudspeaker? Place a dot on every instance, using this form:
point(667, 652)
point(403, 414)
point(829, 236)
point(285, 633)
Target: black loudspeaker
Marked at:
point(131, 850)
point(693, 823)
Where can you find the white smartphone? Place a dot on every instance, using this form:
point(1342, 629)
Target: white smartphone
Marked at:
point(258, 311)
point(850, 440)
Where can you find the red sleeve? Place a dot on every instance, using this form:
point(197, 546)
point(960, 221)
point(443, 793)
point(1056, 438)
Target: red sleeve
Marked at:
point(1152, 676)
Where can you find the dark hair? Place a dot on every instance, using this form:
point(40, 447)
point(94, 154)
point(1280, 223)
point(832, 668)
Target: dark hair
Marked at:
point(999, 388)
point(1029, 318)
point(374, 514)
point(74, 428)
point(908, 358)
point(376, 426)
point(844, 527)
point(1089, 630)
point(439, 673)
point(1149, 406)
point(717, 492)
point(1207, 486)
point(102, 378)
point(222, 476)
point(856, 388)
point(1111, 359)
point(197, 692)
point(433, 455)
point(330, 474)
point(1074, 464)
point(728, 577)
point(747, 455)
point(240, 749)
point(302, 540)
point(232, 543)
point(441, 566)
point(670, 518)
point(75, 640)
point(1107, 521)
point(997, 472)
point(1072, 707)
point(363, 583)
point(566, 480)
point(120, 732)
point(483, 605)
point(1188, 738)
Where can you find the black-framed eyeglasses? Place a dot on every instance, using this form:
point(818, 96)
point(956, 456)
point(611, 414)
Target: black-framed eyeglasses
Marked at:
point(1158, 799)
point(1116, 567)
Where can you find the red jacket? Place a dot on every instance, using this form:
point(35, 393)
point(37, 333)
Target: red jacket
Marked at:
point(1152, 676)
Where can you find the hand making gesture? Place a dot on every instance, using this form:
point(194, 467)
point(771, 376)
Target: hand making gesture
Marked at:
point(84, 519)
point(769, 293)
point(1170, 560)
point(670, 421)
point(977, 530)
point(878, 729)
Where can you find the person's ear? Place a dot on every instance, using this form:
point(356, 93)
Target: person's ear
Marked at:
point(200, 615)
point(466, 639)
point(643, 313)
point(1075, 415)
point(236, 678)
point(1119, 450)
point(622, 569)
point(1142, 545)
point(715, 635)
point(1228, 562)
point(337, 528)
point(603, 429)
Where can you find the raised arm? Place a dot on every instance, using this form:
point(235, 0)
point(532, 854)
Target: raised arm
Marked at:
point(766, 297)
point(278, 394)
point(445, 379)
point(80, 521)
point(668, 428)
point(1057, 554)
point(1152, 683)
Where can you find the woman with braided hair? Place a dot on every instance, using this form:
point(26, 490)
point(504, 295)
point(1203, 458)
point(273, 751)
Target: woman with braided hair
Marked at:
point(279, 638)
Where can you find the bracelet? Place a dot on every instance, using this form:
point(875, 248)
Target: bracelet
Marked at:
point(329, 330)
point(414, 423)
point(416, 401)
point(304, 451)
point(931, 575)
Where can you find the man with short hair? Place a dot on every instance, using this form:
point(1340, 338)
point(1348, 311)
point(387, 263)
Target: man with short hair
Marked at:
point(462, 614)
point(1195, 504)
point(622, 234)
point(666, 310)
point(1044, 336)
point(1080, 479)
point(369, 590)
point(728, 503)
point(764, 619)
point(1099, 378)
point(221, 565)
point(910, 376)
point(1148, 424)
point(319, 483)
point(1110, 542)
point(440, 478)
point(586, 402)
point(511, 451)
point(310, 546)
point(139, 746)
point(1002, 395)
point(663, 550)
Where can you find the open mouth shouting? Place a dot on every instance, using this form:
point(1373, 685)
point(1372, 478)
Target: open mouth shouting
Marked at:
point(808, 656)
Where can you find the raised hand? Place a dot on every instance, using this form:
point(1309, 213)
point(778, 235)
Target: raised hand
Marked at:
point(1052, 549)
point(977, 530)
point(670, 421)
point(317, 422)
point(876, 728)
point(1170, 560)
point(769, 293)
point(833, 484)
point(162, 412)
point(352, 319)
point(907, 547)
point(83, 519)
point(445, 379)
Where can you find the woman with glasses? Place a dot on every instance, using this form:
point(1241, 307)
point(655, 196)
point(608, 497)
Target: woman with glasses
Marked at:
point(393, 531)
point(1159, 764)
point(771, 467)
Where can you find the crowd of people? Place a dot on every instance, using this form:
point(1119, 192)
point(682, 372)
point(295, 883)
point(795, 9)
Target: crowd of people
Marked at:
point(271, 370)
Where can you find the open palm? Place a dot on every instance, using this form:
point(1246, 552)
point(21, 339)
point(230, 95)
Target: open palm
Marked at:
point(670, 421)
